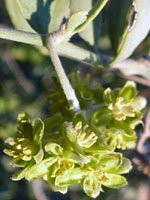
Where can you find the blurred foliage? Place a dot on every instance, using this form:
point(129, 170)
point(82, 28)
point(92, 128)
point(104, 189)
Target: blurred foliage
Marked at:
point(28, 93)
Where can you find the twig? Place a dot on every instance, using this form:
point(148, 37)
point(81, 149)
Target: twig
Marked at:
point(137, 79)
point(145, 93)
point(143, 192)
point(145, 135)
point(68, 90)
point(142, 162)
point(38, 192)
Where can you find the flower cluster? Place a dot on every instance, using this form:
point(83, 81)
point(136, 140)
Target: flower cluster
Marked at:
point(82, 148)
point(26, 147)
point(117, 118)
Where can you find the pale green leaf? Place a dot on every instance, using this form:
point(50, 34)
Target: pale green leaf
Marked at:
point(76, 19)
point(77, 53)
point(128, 92)
point(114, 180)
point(91, 186)
point(75, 158)
point(16, 16)
point(92, 14)
point(136, 122)
point(56, 188)
point(18, 163)
point(139, 103)
point(37, 13)
point(59, 10)
point(99, 149)
point(116, 15)
point(135, 27)
point(110, 162)
point(21, 174)
point(70, 177)
point(119, 138)
point(125, 166)
point(92, 31)
point(53, 148)
point(40, 169)
point(39, 156)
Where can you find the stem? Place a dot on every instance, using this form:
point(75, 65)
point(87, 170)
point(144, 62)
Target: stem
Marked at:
point(145, 135)
point(68, 90)
point(20, 36)
point(38, 190)
point(66, 49)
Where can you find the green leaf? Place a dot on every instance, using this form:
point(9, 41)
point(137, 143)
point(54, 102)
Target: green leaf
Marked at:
point(39, 156)
point(110, 162)
point(139, 103)
point(16, 16)
point(125, 166)
point(78, 53)
point(99, 5)
point(109, 97)
point(40, 169)
point(128, 92)
point(70, 177)
point(124, 126)
point(114, 180)
point(99, 149)
point(21, 174)
point(135, 25)
point(24, 129)
point(92, 31)
point(18, 163)
point(53, 148)
point(98, 93)
point(91, 186)
point(116, 15)
point(76, 19)
point(118, 138)
point(36, 13)
point(56, 188)
point(58, 10)
point(38, 131)
point(101, 117)
point(75, 158)
point(136, 122)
